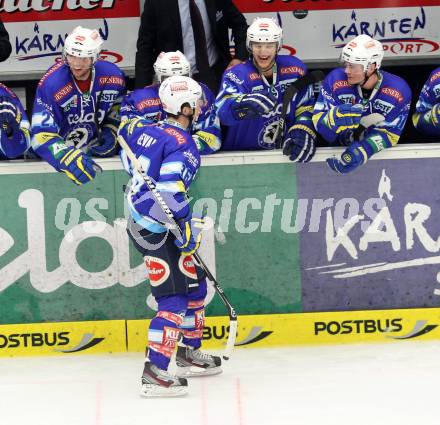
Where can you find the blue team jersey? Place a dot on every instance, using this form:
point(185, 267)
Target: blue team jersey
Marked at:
point(258, 132)
point(18, 144)
point(170, 157)
point(391, 98)
point(423, 119)
point(63, 113)
point(146, 103)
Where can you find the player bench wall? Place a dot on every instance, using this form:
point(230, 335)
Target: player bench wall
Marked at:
point(65, 257)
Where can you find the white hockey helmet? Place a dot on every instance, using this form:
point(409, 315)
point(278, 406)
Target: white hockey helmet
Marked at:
point(264, 30)
point(83, 43)
point(177, 90)
point(363, 50)
point(171, 63)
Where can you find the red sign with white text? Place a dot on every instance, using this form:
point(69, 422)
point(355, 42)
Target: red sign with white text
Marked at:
point(53, 10)
point(255, 6)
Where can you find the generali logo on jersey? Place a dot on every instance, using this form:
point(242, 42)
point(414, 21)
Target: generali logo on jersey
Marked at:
point(44, 10)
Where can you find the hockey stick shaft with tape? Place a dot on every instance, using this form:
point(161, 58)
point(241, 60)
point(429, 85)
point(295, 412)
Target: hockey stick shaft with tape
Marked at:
point(366, 122)
point(301, 83)
point(175, 229)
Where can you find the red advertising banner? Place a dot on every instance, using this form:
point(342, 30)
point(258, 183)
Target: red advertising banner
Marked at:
point(256, 6)
point(59, 10)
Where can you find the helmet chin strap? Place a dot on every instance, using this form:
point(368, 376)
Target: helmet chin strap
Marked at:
point(367, 78)
point(364, 81)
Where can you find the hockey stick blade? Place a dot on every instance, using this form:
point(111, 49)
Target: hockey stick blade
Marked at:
point(301, 83)
point(367, 121)
point(231, 338)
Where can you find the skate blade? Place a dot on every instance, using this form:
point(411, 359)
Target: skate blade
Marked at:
point(158, 391)
point(194, 371)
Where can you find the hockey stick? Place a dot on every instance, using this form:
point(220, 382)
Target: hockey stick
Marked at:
point(175, 229)
point(291, 90)
point(367, 121)
point(96, 166)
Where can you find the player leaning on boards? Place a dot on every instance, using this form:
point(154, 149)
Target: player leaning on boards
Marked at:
point(76, 108)
point(14, 125)
point(426, 118)
point(250, 99)
point(169, 156)
point(358, 89)
point(146, 103)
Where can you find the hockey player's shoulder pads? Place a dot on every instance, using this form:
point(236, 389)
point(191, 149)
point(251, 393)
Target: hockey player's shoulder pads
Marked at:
point(144, 103)
point(290, 67)
point(56, 81)
point(395, 88)
point(105, 68)
point(242, 76)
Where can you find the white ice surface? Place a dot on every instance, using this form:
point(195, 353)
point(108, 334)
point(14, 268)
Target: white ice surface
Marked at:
point(392, 384)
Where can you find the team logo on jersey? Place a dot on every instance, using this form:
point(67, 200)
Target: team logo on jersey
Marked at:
point(266, 137)
point(158, 270)
point(392, 92)
point(187, 266)
point(86, 100)
point(78, 137)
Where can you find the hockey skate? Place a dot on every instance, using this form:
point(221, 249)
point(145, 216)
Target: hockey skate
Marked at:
point(193, 362)
point(159, 383)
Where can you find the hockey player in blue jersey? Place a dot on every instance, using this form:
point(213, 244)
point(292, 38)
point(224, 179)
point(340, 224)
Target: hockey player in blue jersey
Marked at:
point(14, 125)
point(251, 94)
point(358, 89)
point(146, 103)
point(169, 156)
point(76, 108)
point(426, 118)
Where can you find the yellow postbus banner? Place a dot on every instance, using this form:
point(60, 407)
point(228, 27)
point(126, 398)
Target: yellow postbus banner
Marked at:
point(45, 339)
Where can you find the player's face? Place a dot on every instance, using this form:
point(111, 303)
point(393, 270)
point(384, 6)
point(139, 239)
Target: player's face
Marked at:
point(264, 54)
point(197, 110)
point(80, 67)
point(355, 72)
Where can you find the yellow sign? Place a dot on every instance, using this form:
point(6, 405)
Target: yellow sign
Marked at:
point(44, 339)
point(310, 328)
point(253, 331)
